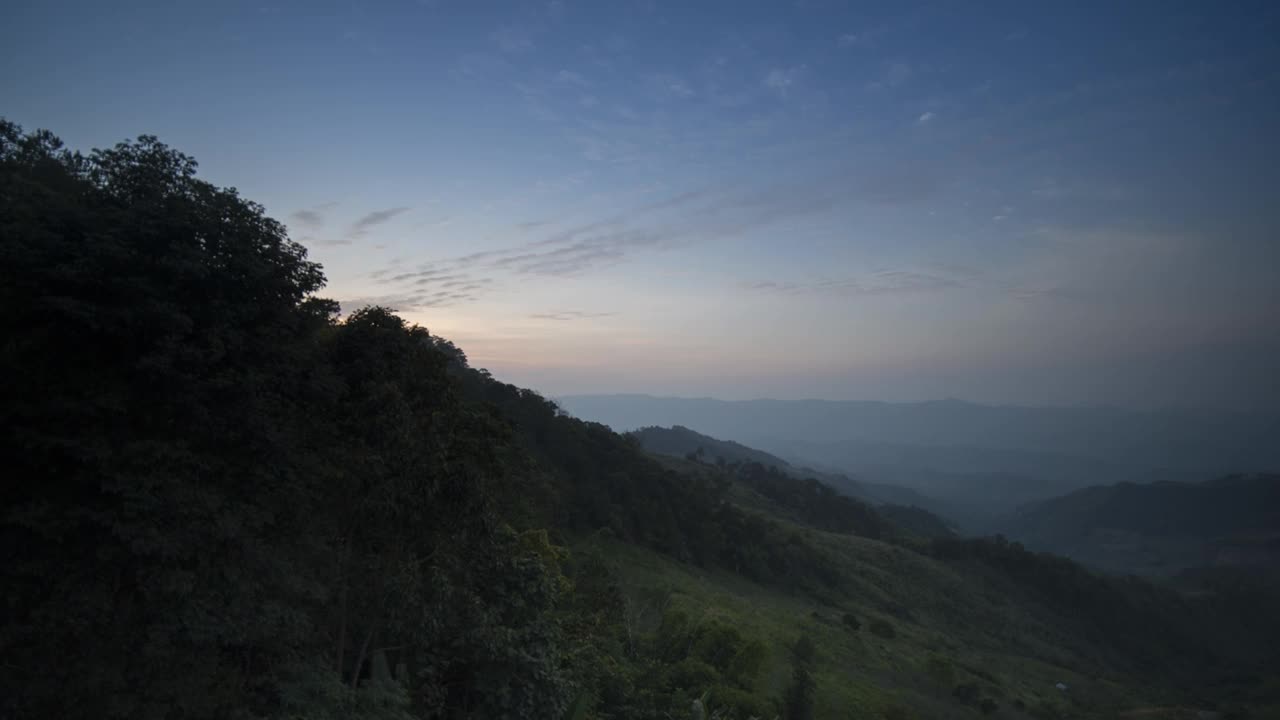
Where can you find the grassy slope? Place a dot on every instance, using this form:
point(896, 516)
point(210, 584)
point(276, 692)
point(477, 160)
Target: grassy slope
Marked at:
point(1013, 651)
point(859, 673)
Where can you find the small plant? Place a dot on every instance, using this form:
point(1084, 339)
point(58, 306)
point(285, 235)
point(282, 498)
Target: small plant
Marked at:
point(883, 629)
point(967, 693)
point(941, 670)
point(851, 622)
point(895, 712)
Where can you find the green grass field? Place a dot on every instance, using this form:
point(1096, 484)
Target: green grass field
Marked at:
point(1015, 654)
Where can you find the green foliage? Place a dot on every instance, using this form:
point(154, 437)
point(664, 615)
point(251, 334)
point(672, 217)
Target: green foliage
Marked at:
point(226, 503)
point(1150, 630)
point(814, 503)
point(896, 712)
point(967, 693)
point(798, 702)
point(745, 665)
point(883, 628)
point(941, 670)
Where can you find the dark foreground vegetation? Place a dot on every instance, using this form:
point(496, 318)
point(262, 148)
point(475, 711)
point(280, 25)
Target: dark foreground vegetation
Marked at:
point(224, 501)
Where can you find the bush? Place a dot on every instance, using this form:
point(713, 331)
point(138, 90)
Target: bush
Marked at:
point(967, 693)
point(851, 622)
point(896, 712)
point(883, 629)
point(691, 674)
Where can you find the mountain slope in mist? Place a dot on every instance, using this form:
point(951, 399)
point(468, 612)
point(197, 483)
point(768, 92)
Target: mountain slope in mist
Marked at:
point(1160, 528)
point(1102, 438)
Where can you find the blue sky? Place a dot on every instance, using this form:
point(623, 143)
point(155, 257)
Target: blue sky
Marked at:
point(1063, 203)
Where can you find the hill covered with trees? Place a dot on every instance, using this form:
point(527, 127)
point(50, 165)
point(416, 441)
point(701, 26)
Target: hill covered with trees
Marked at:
point(1161, 528)
point(224, 500)
point(903, 503)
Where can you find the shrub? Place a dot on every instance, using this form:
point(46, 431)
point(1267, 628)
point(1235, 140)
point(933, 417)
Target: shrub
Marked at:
point(883, 629)
point(966, 693)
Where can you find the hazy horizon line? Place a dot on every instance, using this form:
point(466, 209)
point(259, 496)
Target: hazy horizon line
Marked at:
point(953, 400)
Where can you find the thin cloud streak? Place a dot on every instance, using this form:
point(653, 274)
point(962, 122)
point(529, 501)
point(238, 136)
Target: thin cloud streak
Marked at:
point(883, 282)
point(565, 315)
point(370, 220)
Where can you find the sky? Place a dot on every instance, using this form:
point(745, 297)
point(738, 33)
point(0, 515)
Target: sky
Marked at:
point(1062, 203)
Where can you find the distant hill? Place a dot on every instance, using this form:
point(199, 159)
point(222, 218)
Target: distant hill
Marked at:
point(1179, 440)
point(680, 441)
point(909, 509)
point(1162, 527)
point(978, 461)
point(916, 520)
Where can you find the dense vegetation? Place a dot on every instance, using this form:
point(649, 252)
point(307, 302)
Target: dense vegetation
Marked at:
point(226, 501)
point(231, 502)
point(902, 506)
point(680, 441)
point(1160, 528)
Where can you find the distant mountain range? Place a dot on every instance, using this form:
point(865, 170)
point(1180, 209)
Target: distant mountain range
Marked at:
point(680, 441)
point(973, 463)
point(1160, 528)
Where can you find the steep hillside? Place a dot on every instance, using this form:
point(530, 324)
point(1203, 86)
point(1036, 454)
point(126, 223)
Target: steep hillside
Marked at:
point(679, 441)
point(1160, 528)
point(903, 506)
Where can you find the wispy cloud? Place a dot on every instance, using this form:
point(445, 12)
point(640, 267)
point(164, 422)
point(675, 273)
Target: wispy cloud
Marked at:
point(361, 226)
point(882, 282)
point(895, 74)
point(308, 218)
point(475, 66)
point(569, 77)
point(513, 39)
point(436, 223)
point(862, 38)
point(969, 276)
point(926, 118)
point(674, 201)
point(397, 274)
point(407, 302)
point(781, 79)
point(678, 220)
point(312, 218)
point(571, 315)
point(669, 86)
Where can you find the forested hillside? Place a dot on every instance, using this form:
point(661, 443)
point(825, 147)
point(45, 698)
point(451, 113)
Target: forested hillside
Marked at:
point(904, 504)
point(1161, 528)
point(680, 441)
point(226, 501)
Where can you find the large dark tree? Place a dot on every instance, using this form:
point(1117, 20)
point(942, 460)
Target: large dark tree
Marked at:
point(221, 502)
point(152, 352)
